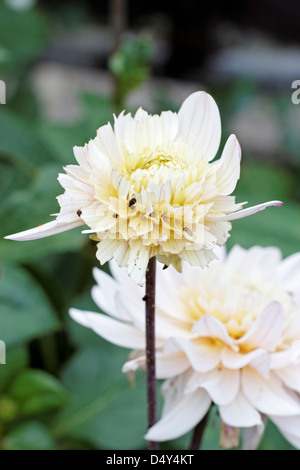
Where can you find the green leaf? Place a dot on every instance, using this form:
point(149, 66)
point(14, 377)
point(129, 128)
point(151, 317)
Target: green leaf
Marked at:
point(276, 226)
point(29, 436)
point(104, 410)
point(21, 47)
point(273, 439)
point(16, 360)
point(29, 207)
point(25, 311)
point(36, 391)
point(20, 142)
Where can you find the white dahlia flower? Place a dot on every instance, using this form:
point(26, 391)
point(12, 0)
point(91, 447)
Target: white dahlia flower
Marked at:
point(146, 187)
point(228, 335)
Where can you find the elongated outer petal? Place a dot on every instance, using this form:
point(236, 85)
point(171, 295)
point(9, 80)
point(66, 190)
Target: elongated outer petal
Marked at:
point(112, 330)
point(211, 327)
point(246, 212)
point(290, 428)
point(267, 328)
point(183, 417)
point(45, 230)
point(240, 413)
point(228, 167)
point(200, 124)
point(269, 395)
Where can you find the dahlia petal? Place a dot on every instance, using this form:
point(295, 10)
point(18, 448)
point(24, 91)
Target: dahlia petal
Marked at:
point(198, 257)
point(257, 262)
point(235, 360)
point(253, 436)
point(267, 328)
point(45, 230)
point(200, 124)
point(124, 280)
point(104, 294)
point(211, 327)
point(81, 155)
point(106, 249)
point(269, 395)
point(289, 426)
point(170, 365)
point(290, 376)
point(221, 384)
point(203, 356)
point(183, 417)
point(281, 359)
point(246, 212)
point(228, 167)
point(107, 143)
point(116, 332)
point(240, 413)
point(288, 274)
point(138, 261)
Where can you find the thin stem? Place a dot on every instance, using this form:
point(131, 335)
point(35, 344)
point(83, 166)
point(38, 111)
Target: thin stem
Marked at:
point(150, 347)
point(198, 433)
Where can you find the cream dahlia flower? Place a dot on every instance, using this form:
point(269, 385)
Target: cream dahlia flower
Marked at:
point(226, 335)
point(146, 187)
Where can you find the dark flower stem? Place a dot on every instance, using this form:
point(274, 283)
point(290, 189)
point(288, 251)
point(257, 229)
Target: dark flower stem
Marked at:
point(150, 346)
point(198, 433)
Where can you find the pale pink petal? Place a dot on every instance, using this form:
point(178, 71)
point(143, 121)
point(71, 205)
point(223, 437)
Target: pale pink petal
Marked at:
point(269, 395)
point(45, 230)
point(104, 294)
point(170, 365)
point(183, 417)
point(289, 274)
point(228, 167)
point(125, 281)
point(135, 310)
point(172, 391)
point(253, 436)
point(289, 426)
point(203, 356)
point(240, 413)
point(246, 212)
point(211, 327)
point(257, 262)
point(267, 328)
point(116, 332)
point(290, 376)
point(200, 124)
point(258, 359)
point(281, 359)
point(221, 384)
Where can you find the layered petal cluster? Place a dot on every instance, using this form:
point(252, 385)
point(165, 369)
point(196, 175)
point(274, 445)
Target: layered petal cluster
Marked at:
point(146, 187)
point(228, 335)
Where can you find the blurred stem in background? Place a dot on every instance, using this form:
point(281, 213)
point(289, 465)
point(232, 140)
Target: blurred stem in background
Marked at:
point(118, 16)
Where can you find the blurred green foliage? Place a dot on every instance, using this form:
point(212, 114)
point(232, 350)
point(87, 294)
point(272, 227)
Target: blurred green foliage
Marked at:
point(62, 386)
